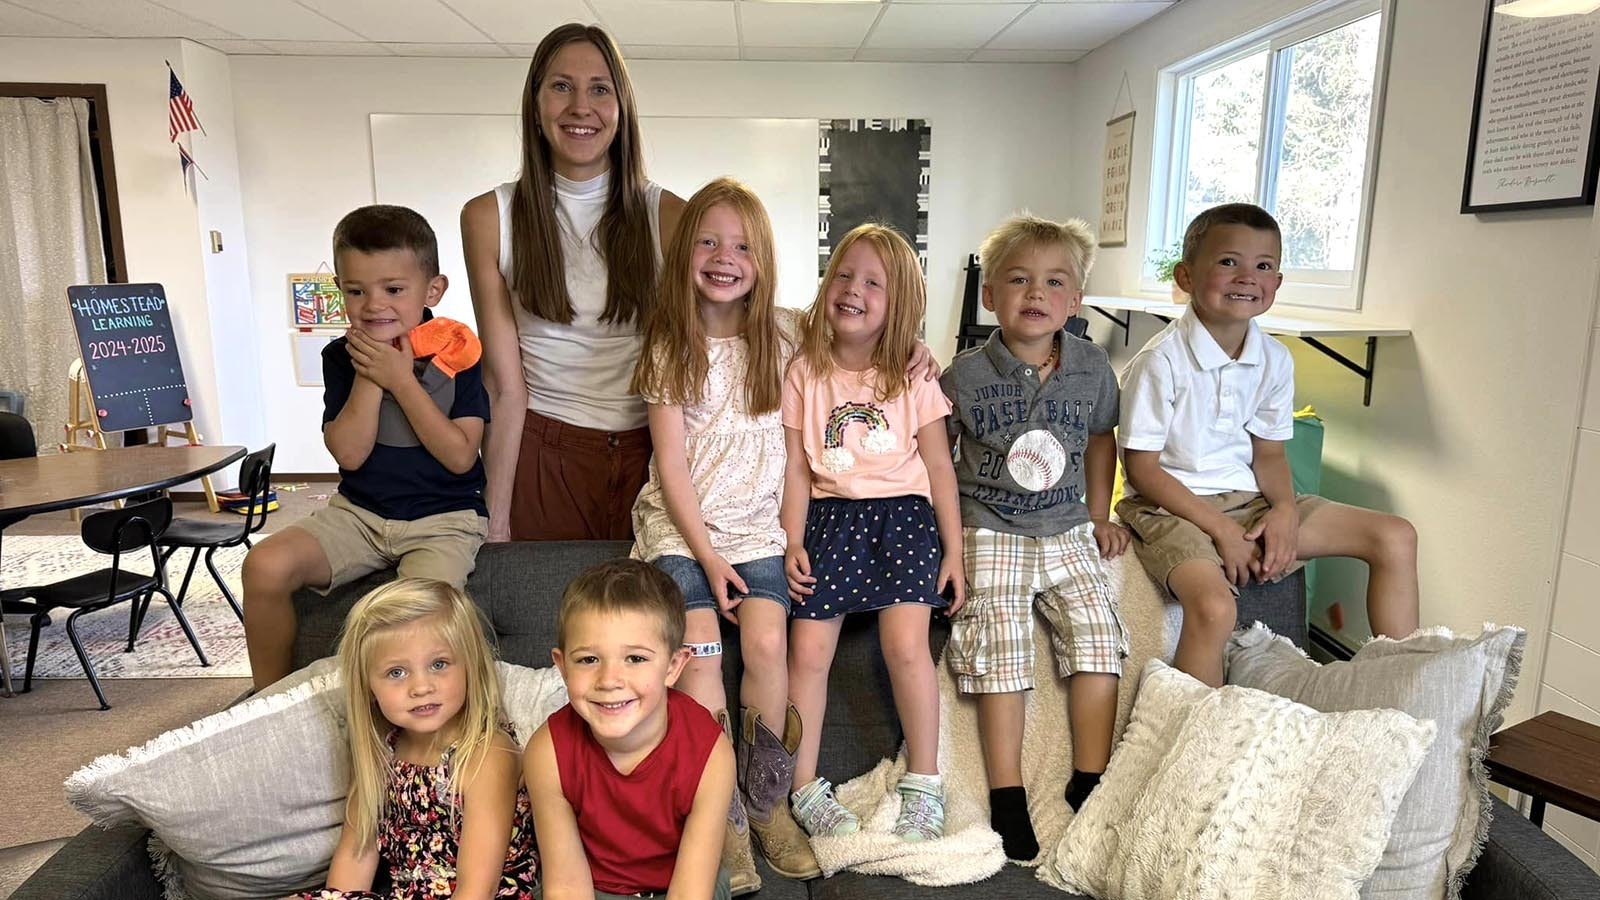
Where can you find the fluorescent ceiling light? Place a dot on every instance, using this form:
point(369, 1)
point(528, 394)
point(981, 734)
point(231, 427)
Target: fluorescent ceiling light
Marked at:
point(1535, 9)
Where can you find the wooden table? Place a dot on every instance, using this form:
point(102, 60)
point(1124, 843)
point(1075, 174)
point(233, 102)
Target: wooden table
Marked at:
point(1551, 758)
point(67, 480)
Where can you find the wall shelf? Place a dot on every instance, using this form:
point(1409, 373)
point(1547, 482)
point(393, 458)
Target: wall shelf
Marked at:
point(1309, 330)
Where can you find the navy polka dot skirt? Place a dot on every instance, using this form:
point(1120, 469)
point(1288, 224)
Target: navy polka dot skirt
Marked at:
point(868, 554)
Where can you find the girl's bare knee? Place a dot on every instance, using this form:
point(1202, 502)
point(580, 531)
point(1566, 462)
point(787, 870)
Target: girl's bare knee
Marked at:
point(763, 648)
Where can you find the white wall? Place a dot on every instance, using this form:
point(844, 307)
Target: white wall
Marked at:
point(999, 142)
point(1472, 425)
point(207, 78)
point(1568, 684)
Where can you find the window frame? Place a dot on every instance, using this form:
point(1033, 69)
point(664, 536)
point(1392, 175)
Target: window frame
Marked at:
point(1326, 289)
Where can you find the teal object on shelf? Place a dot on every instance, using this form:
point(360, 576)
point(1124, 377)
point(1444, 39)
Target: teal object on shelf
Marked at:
point(1305, 465)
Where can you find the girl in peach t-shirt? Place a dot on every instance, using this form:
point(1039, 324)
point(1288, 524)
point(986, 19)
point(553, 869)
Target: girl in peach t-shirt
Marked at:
point(870, 512)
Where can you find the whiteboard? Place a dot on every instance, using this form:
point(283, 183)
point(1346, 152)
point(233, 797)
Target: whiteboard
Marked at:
point(308, 347)
point(436, 163)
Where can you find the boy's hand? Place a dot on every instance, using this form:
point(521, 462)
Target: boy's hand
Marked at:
point(1113, 539)
point(720, 575)
point(797, 565)
point(953, 575)
point(922, 364)
point(380, 362)
point(1240, 555)
point(1279, 534)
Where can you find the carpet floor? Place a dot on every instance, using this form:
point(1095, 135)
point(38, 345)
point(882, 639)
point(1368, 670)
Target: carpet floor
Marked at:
point(57, 728)
point(161, 651)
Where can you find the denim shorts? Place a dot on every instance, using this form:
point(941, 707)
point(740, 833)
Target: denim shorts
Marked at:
point(764, 577)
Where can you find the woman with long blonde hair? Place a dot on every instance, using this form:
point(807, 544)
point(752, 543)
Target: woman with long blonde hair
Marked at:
point(435, 777)
point(562, 265)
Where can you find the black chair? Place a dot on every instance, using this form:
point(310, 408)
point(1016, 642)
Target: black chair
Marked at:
point(255, 480)
point(16, 437)
point(16, 442)
point(113, 532)
point(969, 331)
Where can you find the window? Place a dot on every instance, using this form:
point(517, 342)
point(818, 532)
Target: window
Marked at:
point(1283, 118)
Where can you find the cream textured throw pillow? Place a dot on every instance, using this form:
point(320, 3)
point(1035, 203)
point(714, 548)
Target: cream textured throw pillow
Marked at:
point(1235, 793)
point(248, 803)
point(1461, 684)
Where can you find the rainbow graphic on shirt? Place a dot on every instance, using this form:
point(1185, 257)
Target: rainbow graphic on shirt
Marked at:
point(879, 439)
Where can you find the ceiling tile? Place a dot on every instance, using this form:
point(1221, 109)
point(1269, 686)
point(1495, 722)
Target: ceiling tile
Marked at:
point(236, 47)
point(1028, 56)
point(802, 54)
point(923, 54)
point(263, 20)
point(459, 51)
point(326, 48)
point(1074, 26)
point(125, 18)
point(955, 26)
point(18, 22)
point(662, 51)
point(695, 23)
point(420, 21)
point(806, 24)
point(527, 23)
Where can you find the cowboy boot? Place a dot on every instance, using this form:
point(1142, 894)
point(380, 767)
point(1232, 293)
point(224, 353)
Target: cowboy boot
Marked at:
point(737, 860)
point(767, 768)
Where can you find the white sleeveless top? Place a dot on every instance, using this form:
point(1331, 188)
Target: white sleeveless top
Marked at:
point(579, 373)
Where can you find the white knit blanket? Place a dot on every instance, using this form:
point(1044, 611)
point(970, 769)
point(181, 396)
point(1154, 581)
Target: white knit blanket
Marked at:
point(969, 850)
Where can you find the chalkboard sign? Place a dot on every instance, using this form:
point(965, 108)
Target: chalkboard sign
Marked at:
point(130, 355)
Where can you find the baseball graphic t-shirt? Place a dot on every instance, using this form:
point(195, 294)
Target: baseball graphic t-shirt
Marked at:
point(858, 446)
point(1020, 444)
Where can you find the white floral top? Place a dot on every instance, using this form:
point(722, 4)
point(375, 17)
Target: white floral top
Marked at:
point(736, 463)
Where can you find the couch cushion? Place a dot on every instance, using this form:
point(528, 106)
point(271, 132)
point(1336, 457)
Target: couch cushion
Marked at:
point(1239, 787)
point(517, 585)
point(248, 803)
point(1461, 684)
point(1010, 883)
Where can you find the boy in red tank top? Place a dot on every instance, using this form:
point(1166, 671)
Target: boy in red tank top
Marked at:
point(631, 780)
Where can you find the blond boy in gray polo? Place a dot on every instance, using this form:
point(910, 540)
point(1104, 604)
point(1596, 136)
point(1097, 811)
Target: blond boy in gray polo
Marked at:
point(1032, 427)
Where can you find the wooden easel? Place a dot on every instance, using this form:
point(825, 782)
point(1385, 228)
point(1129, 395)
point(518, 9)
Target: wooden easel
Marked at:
point(83, 427)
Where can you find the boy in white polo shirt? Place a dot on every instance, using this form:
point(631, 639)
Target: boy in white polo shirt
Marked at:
point(1207, 407)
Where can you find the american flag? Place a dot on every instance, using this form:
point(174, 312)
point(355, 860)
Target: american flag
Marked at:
point(187, 162)
point(180, 110)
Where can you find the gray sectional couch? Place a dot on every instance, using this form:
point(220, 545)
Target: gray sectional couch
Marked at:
point(519, 585)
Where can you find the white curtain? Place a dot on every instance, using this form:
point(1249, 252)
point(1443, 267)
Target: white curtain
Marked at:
point(49, 238)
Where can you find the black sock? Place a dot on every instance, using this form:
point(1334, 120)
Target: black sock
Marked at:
point(1008, 815)
point(1079, 787)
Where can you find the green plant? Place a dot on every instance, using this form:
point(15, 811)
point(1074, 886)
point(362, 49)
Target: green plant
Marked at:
point(1164, 259)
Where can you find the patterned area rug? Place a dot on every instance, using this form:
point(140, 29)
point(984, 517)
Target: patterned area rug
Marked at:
point(161, 651)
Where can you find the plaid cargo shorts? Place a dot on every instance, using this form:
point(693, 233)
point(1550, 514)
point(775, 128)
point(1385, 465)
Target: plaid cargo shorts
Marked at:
point(991, 640)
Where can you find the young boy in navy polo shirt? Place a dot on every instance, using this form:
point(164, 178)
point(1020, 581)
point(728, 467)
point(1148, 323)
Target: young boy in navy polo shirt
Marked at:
point(1034, 409)
point(404, 409)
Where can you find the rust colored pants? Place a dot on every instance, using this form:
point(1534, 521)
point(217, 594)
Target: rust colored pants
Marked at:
point(577, 484)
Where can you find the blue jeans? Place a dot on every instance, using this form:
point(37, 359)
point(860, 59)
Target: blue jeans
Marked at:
point(764, 577)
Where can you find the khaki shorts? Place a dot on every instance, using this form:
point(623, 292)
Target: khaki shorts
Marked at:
point(1164, 541)
point(357, 541)
point(991, 638)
